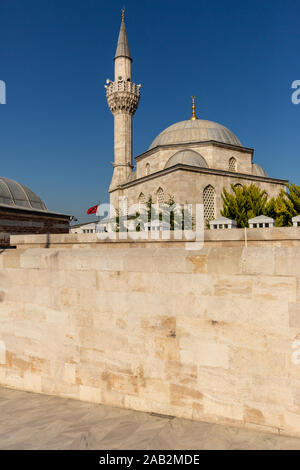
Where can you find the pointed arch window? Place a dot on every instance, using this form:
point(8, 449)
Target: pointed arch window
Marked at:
point(160, 196)
point(142, 199)
point(232, 164)
point(209, 202)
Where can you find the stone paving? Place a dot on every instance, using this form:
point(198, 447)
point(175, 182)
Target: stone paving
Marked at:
point(33, 421)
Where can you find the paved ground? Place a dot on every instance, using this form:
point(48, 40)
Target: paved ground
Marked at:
point(32, 421)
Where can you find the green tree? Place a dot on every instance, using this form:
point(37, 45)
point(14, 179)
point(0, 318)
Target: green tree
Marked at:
point(293, 195)
point(285, 206)
point(244, 203)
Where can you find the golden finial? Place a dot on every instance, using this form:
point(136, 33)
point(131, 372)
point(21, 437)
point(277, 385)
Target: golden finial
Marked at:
point(193, 118)
point(123, 14)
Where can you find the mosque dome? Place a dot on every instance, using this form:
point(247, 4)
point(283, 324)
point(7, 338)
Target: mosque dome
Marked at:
point(187, 157)
point(19, 196)
point(258, 170)
point(197, 130)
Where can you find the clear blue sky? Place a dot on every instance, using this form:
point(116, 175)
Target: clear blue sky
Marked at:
point(56, 133)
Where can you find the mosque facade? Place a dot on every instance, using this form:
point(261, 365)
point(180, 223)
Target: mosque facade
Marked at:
point(192, 160)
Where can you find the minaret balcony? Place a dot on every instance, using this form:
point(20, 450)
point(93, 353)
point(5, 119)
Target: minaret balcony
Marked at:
point(122, 85)
point(122, 96)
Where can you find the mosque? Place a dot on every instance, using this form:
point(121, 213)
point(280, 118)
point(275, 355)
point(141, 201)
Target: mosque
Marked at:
point(192, 160)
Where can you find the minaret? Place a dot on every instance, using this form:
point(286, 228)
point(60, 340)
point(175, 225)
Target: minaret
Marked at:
point(123, 98)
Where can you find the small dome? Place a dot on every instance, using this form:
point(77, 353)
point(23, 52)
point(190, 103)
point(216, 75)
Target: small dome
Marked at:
point(258, 170)
point(17, 195)
point(195, 131)
point(187, 157)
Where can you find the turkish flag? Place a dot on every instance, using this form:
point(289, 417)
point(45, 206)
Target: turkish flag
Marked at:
point(92, 210)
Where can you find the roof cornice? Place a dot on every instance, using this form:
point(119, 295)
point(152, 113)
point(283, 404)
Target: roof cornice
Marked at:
point(192, 144)
point(210, 171)
point(28, 210)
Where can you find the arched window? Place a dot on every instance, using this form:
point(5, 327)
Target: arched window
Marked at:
point(142, 199)
point(232, 164)
point(160, 196)
point(148, 169)
point(209, 201)
point(238, 185)
point(123, 206)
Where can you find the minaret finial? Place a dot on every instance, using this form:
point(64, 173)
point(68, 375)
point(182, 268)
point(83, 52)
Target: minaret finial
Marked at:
point(123, 46)
point(193, 118)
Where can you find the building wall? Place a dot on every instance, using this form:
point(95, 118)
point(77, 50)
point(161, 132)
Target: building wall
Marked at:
point(216, 157)
point(16, 222)
point(209, 335)
point(188, 186)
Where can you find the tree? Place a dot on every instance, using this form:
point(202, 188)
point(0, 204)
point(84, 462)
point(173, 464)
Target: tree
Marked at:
point(244, 203)
point(293, 195)
point(285, 206)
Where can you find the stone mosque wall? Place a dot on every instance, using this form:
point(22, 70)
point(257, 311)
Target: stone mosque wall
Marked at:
point(210, 335)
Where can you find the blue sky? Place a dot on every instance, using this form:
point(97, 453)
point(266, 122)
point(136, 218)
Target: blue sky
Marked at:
point(56, 132)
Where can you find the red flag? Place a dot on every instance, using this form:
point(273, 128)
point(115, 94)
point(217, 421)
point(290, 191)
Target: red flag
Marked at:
point(92, 210)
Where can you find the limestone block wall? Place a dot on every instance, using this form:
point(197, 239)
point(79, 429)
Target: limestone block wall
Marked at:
point(216, 156)
point(208, 335)
point(187, 186)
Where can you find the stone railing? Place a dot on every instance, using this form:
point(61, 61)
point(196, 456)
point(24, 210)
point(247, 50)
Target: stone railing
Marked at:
point(122, 85)
point(122, 96)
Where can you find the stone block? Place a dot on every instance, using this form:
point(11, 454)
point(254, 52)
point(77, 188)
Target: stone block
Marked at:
point(90, 394)
point(179, 373)
point(275, 288)
point(32, 382)
point(70, 373)
point(204, 354)
point(228, 264)
point(256, 260)
point(11, 259)
point(233, 285)
point(287, 261)
point(264, 414)
point(184, 396)
point(252, 362)
point(294, 314)
point(121, 383)
point(222, 409)
point(199, 262)
point(154, 389)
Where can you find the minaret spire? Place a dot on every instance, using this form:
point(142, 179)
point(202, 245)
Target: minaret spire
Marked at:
point(123, 45)
point(123, 98)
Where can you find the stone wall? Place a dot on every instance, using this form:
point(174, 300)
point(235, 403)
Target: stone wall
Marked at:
point(279, 236)
point(208, 335)
point(187, 185)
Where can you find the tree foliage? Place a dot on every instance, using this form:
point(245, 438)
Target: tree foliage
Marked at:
point(285, 206)
point(244, 203)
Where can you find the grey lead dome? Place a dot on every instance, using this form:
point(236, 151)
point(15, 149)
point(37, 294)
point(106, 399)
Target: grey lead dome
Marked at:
point(195, 131)
point(15, 194)
point(258, 170)
point(187, 157)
